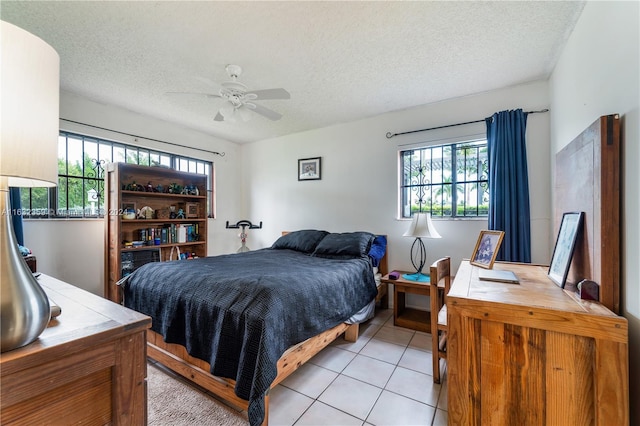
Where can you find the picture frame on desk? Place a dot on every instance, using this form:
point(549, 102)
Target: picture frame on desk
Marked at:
point(570, 228)
point(486, 250)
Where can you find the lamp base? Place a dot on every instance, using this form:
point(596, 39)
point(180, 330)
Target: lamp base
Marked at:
point(418, 277)
point(25, 305)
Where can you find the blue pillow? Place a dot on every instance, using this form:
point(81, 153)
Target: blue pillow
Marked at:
point(345, 245)
point(378, 248)
point(304, 241)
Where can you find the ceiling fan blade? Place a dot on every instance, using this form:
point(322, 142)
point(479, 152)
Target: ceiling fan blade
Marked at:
point(218, 117)
point(244, 113)
point(207, 95)
point(269, 113)
point(209, 82)
point(229, 113)
point(271, 94)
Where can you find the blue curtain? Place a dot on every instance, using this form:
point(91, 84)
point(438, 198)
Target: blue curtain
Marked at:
point(509, 184)
point(16, 206)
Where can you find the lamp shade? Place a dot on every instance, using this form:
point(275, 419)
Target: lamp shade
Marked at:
point(29, 117)
point(30, 93)
point(421, 227)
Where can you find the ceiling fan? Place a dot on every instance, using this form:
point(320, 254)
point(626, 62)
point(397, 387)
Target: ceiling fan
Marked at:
point(239, 100)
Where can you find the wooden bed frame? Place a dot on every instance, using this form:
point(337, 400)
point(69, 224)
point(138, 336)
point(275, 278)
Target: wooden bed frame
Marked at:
point(588, 180)
point(176, 358)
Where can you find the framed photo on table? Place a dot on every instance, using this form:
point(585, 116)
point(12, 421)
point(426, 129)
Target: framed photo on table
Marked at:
point(309, 168)
point(487, 248)
point(565, 244)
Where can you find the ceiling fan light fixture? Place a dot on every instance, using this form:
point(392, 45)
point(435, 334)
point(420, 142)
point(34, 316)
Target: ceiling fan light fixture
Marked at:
point(228, 112)
point(240, 105)
point(234, 71)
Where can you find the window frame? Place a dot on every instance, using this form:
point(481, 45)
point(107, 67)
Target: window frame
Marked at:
point(128, 152)
point(422, 190)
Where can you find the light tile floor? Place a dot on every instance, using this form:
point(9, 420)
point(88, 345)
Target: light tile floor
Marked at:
point(385, 378)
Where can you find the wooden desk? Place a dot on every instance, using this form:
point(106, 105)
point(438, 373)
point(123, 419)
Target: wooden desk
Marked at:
point(532, 353)
point(414, 319)
point(87, 367)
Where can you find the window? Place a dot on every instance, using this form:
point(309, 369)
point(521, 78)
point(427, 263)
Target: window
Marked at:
point(446, 180)
point(80, 190)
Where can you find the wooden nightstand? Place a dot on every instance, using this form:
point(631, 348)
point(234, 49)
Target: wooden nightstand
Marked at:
point(414, 319)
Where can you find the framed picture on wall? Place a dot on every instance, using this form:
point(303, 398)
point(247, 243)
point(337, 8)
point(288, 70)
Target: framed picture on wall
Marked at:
point(565, 244)
point(309, 168)
point(487, 248)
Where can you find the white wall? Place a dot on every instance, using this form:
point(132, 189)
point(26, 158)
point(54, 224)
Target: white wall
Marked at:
point(359, 185)
point(73, 249)
point(599, 74)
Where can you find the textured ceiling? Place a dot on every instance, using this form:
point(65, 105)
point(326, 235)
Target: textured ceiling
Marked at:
point(341, 61)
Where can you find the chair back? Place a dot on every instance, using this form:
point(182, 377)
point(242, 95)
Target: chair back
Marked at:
point(441, 270)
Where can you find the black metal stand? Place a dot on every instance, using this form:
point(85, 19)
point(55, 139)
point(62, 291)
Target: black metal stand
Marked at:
point(244, 224)
point(418, 259)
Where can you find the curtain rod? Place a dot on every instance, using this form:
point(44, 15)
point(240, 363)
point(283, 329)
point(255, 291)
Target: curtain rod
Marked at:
point(390, 135)
point(221, 154)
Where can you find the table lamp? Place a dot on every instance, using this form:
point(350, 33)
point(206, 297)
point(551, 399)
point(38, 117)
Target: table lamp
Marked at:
point(421, 227)
point(29, 117)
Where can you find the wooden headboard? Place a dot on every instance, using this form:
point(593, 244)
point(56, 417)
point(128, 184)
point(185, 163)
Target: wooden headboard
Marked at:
point(588, 180)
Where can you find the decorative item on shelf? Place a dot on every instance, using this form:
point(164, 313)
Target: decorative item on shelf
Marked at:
point(30, 87)
point(421, 227)
point(244, 224)
point(180, 214)
point(174, 188)
point(160, 188)
point(129, 211)
point(190, 190)
point(129, 214)
point(192, 210)
point(162, 213)
point(134, 187)
point(172, 212)
point(145, 213)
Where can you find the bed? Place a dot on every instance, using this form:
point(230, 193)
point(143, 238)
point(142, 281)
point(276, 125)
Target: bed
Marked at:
point(239, 324)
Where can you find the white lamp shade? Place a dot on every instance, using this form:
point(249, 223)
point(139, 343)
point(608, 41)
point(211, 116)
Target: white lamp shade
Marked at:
point(29, 114)
point(422, 227)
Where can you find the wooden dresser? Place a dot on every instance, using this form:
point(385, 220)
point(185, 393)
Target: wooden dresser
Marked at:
point(87, 367)
point(533, 354)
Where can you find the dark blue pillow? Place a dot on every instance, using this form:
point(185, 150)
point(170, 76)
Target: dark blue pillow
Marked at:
point(304, 241)
point(345, 245)
point(378, 248)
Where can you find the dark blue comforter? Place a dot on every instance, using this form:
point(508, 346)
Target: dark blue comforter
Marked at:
point(241, 312)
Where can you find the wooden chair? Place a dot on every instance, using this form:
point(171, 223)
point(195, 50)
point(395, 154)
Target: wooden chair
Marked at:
point(440, 282)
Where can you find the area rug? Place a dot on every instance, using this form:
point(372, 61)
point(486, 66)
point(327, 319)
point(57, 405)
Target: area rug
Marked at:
point(172, 401)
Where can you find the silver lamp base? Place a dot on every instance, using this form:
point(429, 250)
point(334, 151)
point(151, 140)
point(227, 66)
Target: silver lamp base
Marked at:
point(25, 309)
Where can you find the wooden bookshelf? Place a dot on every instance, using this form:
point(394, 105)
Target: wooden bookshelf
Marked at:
point(147, 188)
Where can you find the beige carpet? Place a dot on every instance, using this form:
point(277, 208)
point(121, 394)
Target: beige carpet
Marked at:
point(171, 401)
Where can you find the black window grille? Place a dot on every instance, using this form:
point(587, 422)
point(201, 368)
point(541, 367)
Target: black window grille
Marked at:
point(80, 190)
point(445, 180)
